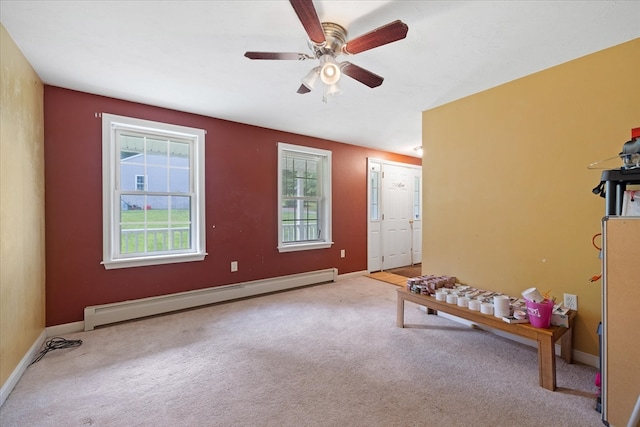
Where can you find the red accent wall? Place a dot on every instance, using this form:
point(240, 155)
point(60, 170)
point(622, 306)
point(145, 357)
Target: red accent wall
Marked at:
point(241, 207)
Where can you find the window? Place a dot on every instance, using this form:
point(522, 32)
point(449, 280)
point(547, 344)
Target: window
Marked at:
point(416, 197)
point(304, 198)
point(152, 191)
point(140, 183)
point(374, 196)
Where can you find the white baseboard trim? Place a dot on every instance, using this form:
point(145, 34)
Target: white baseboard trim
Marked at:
point(134, 309)
point(66, 328)
point(578, 356)
point(352, 274)
point(17, 373)
point(73, 327)
point(586, 358)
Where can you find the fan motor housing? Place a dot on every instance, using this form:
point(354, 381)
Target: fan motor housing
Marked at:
point(336, 37)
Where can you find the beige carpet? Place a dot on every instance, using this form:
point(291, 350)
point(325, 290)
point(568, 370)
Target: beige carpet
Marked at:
point(326, 355)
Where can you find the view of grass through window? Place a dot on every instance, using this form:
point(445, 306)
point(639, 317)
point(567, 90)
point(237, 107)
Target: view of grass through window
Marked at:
point(160, 234)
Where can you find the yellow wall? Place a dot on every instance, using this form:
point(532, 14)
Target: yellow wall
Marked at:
point(22, 259)
point(507, 192)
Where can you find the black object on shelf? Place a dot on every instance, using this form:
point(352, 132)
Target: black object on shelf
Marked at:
point(613, 184)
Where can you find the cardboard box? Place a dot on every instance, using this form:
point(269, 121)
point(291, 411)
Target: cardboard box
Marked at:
point(560, 316)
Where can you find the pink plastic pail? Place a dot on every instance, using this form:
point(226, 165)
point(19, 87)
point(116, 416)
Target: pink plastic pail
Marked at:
point(540, 313)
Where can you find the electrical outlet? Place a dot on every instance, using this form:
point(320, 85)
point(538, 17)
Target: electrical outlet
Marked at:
point(571, 301)
point(342, 253)
point(234, 266)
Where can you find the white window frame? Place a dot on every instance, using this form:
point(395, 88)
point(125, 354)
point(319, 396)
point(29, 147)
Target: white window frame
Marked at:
point(112, 258)
point(325, 209)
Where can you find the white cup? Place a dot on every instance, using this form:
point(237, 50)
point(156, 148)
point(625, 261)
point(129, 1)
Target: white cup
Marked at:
point(474, 305)
point(501, 306)
point(463, 302)
point(452, 298)
point(486, 308)
point(441, 296)
point(532, 295)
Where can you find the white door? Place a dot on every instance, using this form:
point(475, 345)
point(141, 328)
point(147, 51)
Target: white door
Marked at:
point(394, 228)
point(396, 216)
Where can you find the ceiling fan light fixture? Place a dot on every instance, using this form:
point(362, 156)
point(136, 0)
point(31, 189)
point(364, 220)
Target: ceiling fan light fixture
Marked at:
point(331, 90)
point(311, 78)
point(329, 70)
point(328, 40)
point(334, 89)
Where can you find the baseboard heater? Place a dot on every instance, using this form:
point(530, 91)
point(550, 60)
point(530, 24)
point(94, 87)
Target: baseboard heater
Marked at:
point(105, 314)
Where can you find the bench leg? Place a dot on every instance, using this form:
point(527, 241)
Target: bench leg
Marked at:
point(400, 314)
point(566, 346)
point(547, 363)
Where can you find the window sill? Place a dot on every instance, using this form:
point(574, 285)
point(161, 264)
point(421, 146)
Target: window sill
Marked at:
point(304, 246)
point(155, 260)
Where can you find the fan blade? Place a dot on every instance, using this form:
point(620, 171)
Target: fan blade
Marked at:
point(365, 77)
point(303, 89)
point(309, 18)
point(393, 31)
point(277, 55)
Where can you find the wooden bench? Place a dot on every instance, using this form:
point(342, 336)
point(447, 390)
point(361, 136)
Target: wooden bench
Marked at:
point(546, 338)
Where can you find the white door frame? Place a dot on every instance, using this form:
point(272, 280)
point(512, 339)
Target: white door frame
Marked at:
point(375, 213)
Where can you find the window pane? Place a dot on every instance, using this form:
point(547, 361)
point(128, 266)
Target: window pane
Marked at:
point(300, 175)
point(132, 224)
point(375, 205)
point(131, 162)
point(179, 170)
point(300, 221)
point(131, 203)
point(180, 225)
point(299, 168)
point(156, 178)
point(158, 223)
point(179, 180)
point(156, 151)
point(288, 178)
point(416, 197)
point(179, 154)
point(130, 145)
point(311, 183)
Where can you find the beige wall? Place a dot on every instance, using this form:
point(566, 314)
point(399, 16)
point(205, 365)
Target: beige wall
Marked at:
point(508, 202)
point(22, 242)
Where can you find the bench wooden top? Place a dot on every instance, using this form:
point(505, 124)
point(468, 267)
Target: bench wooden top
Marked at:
point(522, 329)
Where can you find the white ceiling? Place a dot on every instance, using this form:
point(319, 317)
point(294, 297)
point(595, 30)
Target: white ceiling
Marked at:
point(188, 56)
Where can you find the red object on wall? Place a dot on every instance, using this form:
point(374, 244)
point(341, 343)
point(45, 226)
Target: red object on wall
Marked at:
point(241, 207)
point(635, 133)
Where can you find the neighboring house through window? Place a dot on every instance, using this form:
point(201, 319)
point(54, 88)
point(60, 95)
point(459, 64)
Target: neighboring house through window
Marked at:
point(304, 198)
point(153, 192)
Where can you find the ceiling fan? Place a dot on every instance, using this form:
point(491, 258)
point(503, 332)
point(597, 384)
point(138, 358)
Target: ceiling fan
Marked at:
point(327, 40)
